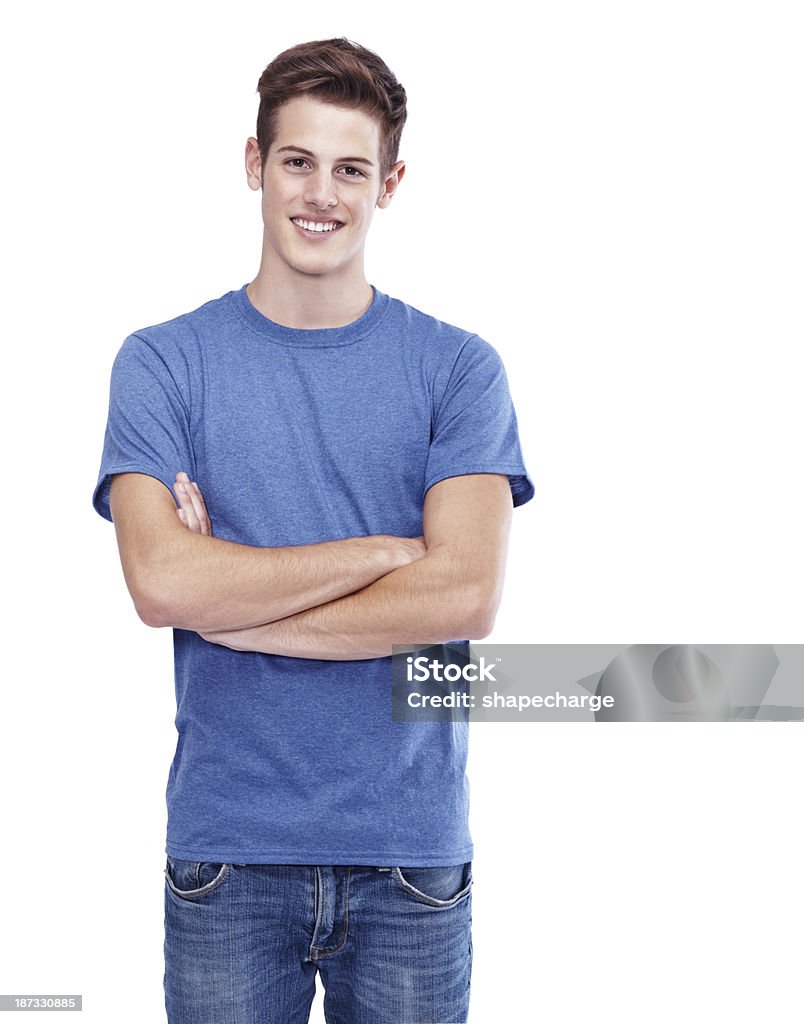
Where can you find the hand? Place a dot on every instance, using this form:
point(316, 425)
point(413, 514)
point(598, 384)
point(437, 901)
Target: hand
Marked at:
point(192, 510)
point(413, 548)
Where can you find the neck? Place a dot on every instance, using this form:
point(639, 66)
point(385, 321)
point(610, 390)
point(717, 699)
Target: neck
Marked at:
point(308, 301)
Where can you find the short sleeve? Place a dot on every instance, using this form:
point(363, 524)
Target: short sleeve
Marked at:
point(148, 427)
point(474, 423)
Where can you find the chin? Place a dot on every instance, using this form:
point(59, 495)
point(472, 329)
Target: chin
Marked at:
point(314, 268)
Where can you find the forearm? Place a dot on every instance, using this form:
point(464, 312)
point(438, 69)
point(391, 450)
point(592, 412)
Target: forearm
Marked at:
point(427, 601)
point(204, 583)
point(180, 575)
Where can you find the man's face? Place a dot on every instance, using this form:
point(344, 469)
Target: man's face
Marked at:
point(321, 183)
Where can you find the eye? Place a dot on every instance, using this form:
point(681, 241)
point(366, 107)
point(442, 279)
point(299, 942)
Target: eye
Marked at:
point(296, 162)
point(352, 172)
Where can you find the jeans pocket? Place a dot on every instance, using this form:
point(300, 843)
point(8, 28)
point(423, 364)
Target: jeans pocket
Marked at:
point(191, 878)
point(436, 887)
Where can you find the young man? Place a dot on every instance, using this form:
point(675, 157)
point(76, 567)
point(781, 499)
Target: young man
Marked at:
point(359, 461)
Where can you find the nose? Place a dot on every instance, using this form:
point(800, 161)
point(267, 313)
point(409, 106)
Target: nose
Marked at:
point(320, 191)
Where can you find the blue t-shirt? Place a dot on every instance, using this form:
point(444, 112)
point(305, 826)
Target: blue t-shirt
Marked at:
point(297, 437)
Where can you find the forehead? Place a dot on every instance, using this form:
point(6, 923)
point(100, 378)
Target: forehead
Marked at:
point(327, 130)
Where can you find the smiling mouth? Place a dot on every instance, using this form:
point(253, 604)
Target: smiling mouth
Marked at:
point(319, 226)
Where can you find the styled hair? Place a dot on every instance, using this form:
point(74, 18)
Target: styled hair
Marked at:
point(335, 71)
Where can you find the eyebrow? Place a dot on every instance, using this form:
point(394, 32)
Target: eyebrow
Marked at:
point(343, 159)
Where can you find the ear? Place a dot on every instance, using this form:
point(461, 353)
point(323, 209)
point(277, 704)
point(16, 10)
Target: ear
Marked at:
point(253, 164)
point(391, 184)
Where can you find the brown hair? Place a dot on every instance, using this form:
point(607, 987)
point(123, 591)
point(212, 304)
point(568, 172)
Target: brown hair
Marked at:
point(340, 72)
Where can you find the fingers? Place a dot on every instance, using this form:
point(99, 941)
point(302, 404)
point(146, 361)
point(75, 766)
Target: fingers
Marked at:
point(186, 511)
point(192, 509)
point(201, 504)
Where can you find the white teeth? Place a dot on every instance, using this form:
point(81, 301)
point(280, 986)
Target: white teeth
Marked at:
point(311, 225)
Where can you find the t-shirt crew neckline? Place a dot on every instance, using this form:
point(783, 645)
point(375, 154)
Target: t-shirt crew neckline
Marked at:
point(321, 337)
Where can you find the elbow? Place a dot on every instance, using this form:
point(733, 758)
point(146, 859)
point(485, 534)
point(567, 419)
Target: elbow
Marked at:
point(479, 627)
point(151, 607)
point(152, 613)
point(478, 613)
point(154, 600)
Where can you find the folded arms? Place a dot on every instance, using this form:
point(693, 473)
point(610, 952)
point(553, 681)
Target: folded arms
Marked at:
point(344, 599)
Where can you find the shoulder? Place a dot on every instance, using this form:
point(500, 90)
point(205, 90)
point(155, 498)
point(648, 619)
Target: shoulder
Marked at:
point(186, 330)
point(170, 356)
point(176, 348)
point(446, 342)
point(450, 342)
point(425, 326)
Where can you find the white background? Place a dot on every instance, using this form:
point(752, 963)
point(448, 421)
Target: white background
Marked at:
point(611, 194)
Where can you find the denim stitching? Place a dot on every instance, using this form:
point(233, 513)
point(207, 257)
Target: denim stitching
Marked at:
point(319, 889)
point(431, 901)
point(345, 923)
point(190, 894)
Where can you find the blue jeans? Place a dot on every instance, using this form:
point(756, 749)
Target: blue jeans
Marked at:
point(243, 943)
